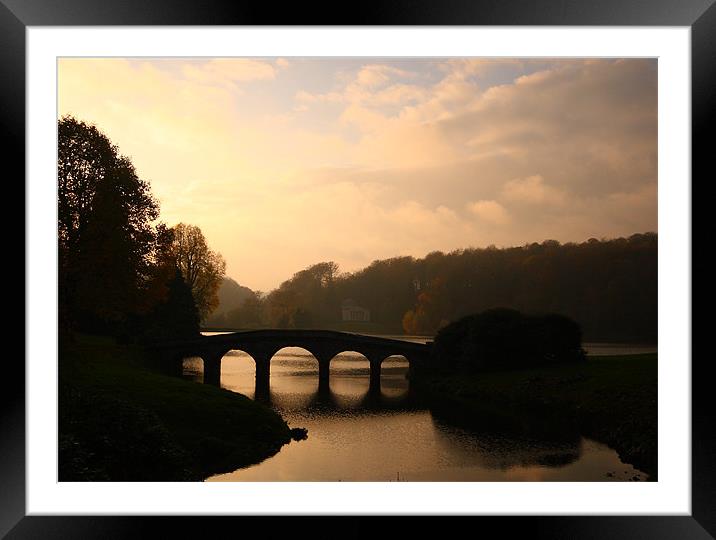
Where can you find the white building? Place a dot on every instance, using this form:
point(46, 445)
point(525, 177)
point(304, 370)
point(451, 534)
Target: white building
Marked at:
point(353, 312)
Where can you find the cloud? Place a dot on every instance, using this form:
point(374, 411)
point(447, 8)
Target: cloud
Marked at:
point(490, 211)
point(532, 190)
point(374, 75)
point(221, 71)
point(369, 87)
point(398, 94)
point(590, 125)
point(307, 97)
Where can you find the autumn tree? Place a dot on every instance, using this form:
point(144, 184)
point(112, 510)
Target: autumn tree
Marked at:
point(201, 267)
point(428, 314)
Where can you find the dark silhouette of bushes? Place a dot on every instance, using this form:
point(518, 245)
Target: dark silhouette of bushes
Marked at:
point(175, 317)
point(502, 338)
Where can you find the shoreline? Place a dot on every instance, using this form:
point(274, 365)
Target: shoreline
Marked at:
point(120, 421)
point(610, 399)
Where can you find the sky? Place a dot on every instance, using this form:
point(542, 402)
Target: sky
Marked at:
point(287, 162)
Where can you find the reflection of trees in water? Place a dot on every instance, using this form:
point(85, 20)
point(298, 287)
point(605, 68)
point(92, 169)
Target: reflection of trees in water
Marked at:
point(493, 448)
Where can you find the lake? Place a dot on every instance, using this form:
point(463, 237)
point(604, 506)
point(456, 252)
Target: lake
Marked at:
point(355, 435)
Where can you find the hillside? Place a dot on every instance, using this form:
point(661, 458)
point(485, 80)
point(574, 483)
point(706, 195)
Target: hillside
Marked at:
point(231, 296)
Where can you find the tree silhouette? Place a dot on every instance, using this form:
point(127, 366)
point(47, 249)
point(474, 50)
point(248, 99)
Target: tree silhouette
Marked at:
point(105, 233)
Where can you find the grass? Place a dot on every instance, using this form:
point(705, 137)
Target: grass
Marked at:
point(120, 421)
point(612, 399)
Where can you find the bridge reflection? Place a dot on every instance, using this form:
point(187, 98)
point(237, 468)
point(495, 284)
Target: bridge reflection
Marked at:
point(326, 399)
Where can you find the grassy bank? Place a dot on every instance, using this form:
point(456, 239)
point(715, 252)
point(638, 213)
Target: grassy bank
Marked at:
point(611, 399)
point(120, 421)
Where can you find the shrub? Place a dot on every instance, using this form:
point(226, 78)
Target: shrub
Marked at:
point(506, 339)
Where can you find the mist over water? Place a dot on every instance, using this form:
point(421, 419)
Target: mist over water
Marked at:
point(354, 435)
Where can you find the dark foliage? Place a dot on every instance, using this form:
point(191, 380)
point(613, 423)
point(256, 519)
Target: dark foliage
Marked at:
point(608, 286)
point(100, 435)
point(117, 272)
point(500, 339)
point(176, 317)
point(104, 229)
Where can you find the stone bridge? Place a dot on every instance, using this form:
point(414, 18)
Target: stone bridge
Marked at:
point(262, 345)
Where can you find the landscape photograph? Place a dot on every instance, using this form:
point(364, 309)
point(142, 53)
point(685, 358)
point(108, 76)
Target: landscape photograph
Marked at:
point(357, 269)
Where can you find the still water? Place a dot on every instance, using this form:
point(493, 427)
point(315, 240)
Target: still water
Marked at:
point(355, 435)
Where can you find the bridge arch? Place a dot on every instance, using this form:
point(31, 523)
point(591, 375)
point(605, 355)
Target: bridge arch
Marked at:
point(295, 351)
point(191, 366)
point(219, 361)
point(349, 378)
point(298, 358)
point(373, 362)
point(394, 375)
point(360, 359)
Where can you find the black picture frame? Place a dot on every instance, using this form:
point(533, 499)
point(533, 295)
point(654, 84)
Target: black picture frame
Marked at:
point(699, 15)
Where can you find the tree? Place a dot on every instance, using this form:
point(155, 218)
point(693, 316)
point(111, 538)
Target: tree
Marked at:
point(202, 268)
point(248, 315)
point(168, 311)
point(177, 316)
point(428, 314)
point(105, 233)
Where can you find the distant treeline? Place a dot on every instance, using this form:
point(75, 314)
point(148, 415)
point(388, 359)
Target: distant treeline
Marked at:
point(608, 286)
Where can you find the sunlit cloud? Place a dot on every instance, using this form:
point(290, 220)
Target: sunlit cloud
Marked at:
point(490, 211)
point(220, 71)
point(532, 190)
point(374, 75)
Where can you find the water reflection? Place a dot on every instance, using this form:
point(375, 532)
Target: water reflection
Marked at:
point(328, 401)
point(503, 451)
point(355, 434)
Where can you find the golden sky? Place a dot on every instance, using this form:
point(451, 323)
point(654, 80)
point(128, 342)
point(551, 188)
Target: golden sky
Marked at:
point(286, 162)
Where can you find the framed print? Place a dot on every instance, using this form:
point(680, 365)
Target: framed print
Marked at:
point(436, 246)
